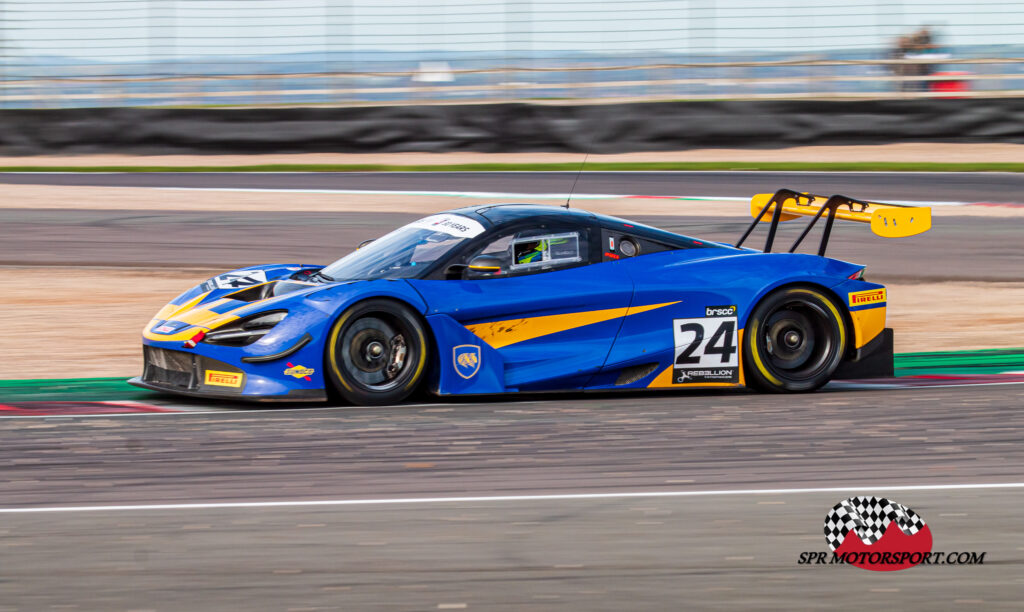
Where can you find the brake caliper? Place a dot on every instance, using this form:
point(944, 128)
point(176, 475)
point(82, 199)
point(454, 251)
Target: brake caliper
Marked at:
point(397, 359)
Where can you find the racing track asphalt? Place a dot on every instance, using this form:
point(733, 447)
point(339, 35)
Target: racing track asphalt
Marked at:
point(957, 248)
point(727, 551)
point(969, 248)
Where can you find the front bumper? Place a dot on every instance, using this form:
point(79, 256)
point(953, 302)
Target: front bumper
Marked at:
point(196, 375)
point(295, 395)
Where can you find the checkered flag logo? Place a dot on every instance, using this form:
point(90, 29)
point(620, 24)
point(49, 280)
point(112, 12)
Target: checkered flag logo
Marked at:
point(868, 518)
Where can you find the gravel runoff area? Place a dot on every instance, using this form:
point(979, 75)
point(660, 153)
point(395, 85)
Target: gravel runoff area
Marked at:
point(898, 152)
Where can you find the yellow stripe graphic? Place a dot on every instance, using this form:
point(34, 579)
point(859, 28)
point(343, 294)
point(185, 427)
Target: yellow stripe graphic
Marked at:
point(503, 333)
point(203, 318)
point(168, 311)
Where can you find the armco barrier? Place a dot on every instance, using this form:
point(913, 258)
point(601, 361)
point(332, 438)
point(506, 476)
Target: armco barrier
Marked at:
point(513, 127)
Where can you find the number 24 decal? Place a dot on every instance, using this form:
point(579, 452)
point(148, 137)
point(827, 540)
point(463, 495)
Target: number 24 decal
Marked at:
point(720, 343)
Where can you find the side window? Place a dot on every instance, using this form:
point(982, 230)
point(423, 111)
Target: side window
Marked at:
point(618, 245)
point(498, 247)
point(529, 252)
point(548, 250)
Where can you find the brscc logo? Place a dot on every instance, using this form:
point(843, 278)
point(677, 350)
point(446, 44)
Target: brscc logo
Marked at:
point(877, 534)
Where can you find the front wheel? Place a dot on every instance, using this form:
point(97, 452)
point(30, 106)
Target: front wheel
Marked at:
point(377, 353)
point(794, 340)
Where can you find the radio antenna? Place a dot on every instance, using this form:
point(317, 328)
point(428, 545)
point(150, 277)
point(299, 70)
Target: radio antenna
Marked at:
point(576, 180)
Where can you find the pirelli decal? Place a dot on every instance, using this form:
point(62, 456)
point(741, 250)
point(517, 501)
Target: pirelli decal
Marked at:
point(866, 298)
point(223, 379)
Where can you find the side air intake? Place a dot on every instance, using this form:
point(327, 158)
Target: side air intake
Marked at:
point(634, 373)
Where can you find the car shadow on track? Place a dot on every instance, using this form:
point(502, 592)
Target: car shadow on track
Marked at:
point(427, 400)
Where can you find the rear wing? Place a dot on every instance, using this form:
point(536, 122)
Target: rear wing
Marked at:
point(887, 220)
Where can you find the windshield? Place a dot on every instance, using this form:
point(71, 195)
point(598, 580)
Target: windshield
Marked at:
point(407, 251)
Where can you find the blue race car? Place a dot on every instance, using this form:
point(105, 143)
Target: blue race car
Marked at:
point(524, 298)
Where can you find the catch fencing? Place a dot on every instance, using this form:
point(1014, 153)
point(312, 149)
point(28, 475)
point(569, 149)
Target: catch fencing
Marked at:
point(68, 53)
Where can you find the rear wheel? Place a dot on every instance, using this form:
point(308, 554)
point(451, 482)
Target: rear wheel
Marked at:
point(794, 340)
point(377, 353)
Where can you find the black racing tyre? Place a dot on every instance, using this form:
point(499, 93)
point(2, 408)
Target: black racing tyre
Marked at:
point(376, 353)
point(793, 341)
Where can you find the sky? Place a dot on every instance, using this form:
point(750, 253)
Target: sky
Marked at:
point(121, 30)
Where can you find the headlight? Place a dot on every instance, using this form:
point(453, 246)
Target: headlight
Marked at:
point(245, 331)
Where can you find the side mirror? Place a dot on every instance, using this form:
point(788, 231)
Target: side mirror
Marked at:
point(484, 266)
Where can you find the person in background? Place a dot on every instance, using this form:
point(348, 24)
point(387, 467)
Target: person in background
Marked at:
point(899, 51)
point(919, 46)
point(923, 46)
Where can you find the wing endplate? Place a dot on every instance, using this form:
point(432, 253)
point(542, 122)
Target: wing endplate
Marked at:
point(900, 222)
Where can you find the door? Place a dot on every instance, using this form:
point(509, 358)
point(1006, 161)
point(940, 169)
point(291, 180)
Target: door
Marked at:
point(550, 314)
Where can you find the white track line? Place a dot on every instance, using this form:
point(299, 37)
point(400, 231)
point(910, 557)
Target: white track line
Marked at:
point(506, 498)
point(511, 195)
point(448, 194)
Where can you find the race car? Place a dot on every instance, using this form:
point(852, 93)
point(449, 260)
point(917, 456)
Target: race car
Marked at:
point(514, 298)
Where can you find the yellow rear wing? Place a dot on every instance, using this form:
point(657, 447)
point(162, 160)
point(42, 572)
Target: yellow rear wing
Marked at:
point(887, 220)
